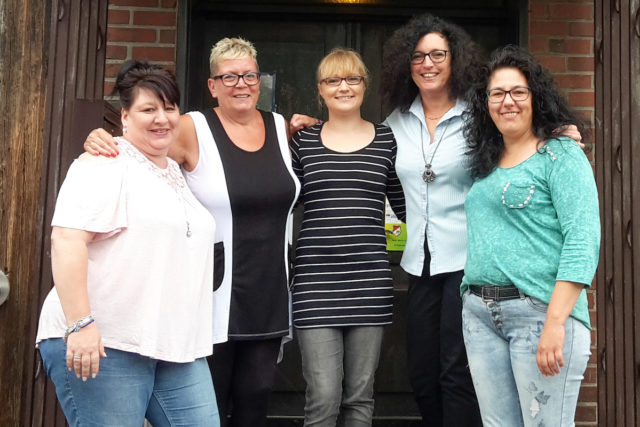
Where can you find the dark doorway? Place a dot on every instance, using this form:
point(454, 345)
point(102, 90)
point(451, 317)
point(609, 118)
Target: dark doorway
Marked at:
point(291, 39)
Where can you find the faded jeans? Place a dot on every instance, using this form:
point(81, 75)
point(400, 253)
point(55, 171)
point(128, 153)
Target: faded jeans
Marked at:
point(130, 387)
point(339, 365)
point(502, 342)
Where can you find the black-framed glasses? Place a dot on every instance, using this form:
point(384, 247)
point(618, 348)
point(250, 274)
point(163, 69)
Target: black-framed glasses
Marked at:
point(250, 79)
point(436, 56)
point(517, 93)
point(337, 81)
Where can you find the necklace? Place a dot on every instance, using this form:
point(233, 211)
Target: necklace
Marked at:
point(171, 175)
point(429, 175)
point(435, 118)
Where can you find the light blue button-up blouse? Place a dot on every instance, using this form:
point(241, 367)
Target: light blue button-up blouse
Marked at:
point(434, 210)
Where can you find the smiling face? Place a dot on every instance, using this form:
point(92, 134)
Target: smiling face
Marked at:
point(238, 98)
point(513, 119)
point(151, 124)
point(432, 77)
point(343, 98)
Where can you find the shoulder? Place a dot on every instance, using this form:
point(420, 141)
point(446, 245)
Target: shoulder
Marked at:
point(561, 147)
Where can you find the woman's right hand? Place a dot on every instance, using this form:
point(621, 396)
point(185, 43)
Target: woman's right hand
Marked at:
point(299, 121)
point(84, 350)
point(100, 142)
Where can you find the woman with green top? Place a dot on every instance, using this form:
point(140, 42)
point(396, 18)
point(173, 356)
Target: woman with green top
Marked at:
point(534, 236)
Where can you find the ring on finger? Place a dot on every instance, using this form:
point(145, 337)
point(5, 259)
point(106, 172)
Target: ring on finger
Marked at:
point(77, 357)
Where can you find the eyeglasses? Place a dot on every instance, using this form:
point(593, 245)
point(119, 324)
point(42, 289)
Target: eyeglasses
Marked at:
point(436, 56)
point(337, 81)
point(518, 93)
point(230, 80)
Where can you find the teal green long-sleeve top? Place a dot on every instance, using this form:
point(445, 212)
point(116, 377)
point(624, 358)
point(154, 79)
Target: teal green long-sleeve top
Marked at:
point(534, 224)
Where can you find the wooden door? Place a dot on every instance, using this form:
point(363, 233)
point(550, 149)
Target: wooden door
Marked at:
point(617, 154)
point(291, 39)
point(57, 49)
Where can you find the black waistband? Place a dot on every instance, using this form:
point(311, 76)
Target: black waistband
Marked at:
point(496, 293)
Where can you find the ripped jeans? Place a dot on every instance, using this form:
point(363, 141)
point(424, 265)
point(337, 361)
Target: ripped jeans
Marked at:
point(502, 341)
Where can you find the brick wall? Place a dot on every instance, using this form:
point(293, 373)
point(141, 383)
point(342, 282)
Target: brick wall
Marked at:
point(561, 36)
point(141, 29)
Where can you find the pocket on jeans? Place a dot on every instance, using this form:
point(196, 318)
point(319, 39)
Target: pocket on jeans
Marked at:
point(537, 304)
point(218, 264)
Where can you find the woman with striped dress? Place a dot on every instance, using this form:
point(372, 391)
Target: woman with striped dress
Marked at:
point(342, 284)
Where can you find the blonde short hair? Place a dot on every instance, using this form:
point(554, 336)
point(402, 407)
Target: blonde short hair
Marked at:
point(231, 48)
point(341, 62)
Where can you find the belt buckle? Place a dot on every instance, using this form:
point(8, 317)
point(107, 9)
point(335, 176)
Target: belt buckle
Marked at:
point(489, 294)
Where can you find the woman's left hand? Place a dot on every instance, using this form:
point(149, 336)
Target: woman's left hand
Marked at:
point(550, 345)
point(571, 131)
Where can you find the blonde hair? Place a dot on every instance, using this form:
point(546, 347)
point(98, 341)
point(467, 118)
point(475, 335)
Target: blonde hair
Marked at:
point(341, 62)
point(231, 48)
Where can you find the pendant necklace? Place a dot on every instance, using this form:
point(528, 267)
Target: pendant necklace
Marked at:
point(429, 175)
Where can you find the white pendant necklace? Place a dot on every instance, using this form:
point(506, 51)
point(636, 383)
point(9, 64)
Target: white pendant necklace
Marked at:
point(429, 175)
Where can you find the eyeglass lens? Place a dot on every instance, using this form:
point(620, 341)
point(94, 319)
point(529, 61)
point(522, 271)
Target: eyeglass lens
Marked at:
point(436, 56)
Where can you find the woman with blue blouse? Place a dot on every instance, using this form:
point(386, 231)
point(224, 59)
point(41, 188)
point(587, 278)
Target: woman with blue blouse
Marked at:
point(428, 65)
point(534, 236)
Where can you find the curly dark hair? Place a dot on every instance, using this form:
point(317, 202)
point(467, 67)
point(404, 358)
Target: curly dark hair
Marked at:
point(135, 74)
point(550, 111)
point(398, 88)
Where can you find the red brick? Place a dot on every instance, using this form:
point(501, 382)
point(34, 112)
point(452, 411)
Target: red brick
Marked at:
point(549, 28)
point(582, 99)
point(584, 29)
point(588, 394)
point(154, 53)
point(168, 36)
point(537, 11)
point(118, 16)
point(111, 70)
point(116, 52)
point(586, 413)
point(594, 332)
point(577, 11)
point(538, 45)
point(131, 35)
point(591, 300)
point(159, 19)
point(573, 81)
point(553, 63)
point(590, 375)
point(581, 63)
point(170, 4)
point(136, 3)
point(108, 87)
point(577, 46)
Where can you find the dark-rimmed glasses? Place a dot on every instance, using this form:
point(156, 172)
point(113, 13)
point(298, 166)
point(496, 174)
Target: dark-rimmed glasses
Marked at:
point(337, 81)
point(518, 93)
point(436, 56)
point(250, 79)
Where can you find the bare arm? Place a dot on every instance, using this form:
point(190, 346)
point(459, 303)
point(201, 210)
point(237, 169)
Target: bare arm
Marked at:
point(551, 343)
point(299, 121)
point(69, 262)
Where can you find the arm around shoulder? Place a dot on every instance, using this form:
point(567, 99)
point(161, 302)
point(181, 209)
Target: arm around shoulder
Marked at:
point(185, 150)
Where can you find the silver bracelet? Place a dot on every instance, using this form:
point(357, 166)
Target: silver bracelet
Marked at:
point(77, 325)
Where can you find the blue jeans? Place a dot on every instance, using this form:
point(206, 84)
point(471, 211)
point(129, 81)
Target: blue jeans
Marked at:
point(130, 387)
point(339, 365)
point(502, 342)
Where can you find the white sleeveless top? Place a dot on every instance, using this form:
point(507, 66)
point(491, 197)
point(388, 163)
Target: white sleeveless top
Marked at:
point(208, 183)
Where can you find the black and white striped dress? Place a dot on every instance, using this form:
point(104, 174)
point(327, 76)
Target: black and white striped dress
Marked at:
point(342, 275)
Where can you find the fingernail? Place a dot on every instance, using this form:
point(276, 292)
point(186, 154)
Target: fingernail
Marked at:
point(117, 152)
point(94, 375)
point(84, 378)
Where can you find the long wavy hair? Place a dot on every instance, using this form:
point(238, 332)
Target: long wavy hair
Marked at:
point(398, 88)
point(550, 111)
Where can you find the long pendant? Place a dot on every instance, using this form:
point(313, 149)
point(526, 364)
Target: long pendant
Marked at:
point(428, 175)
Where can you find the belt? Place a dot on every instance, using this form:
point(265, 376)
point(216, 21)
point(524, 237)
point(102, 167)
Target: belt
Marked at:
point(496, 293)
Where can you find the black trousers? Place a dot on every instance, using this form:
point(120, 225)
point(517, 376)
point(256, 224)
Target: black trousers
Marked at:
point(243, 373)
point(436, 356)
